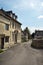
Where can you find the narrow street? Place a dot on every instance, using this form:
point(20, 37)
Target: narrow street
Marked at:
point(22, 54)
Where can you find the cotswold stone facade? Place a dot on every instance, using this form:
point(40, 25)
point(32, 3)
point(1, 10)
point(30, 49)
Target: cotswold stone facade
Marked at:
point(10, 29)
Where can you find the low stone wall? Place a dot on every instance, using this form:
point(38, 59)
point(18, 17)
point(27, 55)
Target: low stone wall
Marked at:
point(8, 45)
point(37, 43)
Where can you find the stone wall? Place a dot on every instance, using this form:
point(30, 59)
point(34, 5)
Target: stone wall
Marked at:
point(37, 43)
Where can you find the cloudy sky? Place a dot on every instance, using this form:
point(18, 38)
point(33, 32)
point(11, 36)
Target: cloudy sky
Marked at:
point(30, 12)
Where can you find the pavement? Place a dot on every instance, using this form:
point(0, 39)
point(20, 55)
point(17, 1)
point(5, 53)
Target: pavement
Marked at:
point(22, 54)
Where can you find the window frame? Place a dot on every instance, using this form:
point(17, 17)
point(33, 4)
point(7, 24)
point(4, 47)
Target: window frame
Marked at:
point(12, 24)
point(6, 26)
point(7, 39)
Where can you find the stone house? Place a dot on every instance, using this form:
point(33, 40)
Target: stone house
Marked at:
point(39, 34)
point(37, 42)
point(10, 29)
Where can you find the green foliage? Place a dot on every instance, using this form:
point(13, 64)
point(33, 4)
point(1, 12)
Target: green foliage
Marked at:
point(26, 30)
point(1, 50)
point(24, 40)
point(33, 34)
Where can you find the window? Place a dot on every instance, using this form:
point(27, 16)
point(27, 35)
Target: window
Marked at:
point(6, 39)
point(12, 36)
point(11, 14)
point(6, 27)
point(12, 24)
point(15, 25)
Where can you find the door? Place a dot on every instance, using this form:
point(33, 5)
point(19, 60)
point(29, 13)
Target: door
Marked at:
point(2, 43)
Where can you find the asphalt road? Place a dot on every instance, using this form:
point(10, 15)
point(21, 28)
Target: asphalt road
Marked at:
point(22, 54)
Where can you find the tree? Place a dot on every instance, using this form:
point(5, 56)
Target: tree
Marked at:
point(26, 30)
point(33, 34)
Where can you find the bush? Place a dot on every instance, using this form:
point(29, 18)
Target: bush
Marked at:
point(24, 40)
point(1, 50)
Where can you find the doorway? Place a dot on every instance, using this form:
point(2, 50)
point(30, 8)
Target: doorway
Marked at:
point(2, 43)
point(15, 38)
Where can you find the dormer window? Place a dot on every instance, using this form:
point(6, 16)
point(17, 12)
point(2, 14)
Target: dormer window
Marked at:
point(16, 17)
point(11, 14)
point(12, 24)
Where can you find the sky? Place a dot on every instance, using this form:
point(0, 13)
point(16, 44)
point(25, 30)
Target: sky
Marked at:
point(29, 12)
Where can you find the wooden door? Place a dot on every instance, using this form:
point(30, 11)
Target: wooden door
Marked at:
point(2, 43)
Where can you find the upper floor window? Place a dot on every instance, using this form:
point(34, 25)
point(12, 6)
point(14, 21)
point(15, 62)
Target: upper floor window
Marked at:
point(17, 26)
point(12, 24)
point(6, 27)
point(12, 36)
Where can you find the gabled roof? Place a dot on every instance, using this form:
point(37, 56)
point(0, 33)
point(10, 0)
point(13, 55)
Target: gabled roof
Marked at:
point(39, 32)
point(4, 13)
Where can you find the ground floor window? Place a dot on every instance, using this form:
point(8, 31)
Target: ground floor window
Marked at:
point(7, 39)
